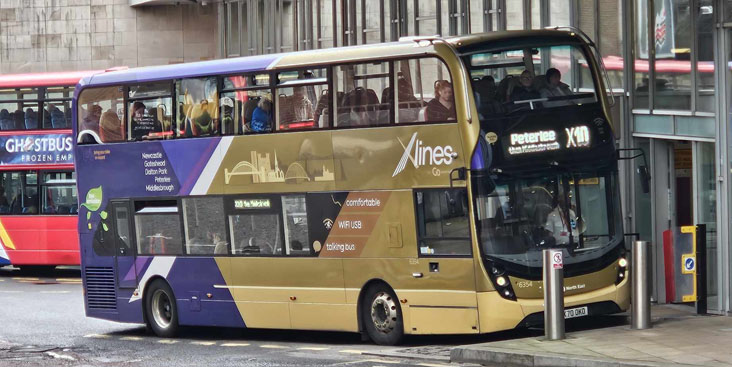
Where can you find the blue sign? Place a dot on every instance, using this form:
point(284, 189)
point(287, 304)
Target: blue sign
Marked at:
point(36, 149)
point(689, 264)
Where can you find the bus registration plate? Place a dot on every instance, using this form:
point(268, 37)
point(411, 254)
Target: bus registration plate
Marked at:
point(575, 312)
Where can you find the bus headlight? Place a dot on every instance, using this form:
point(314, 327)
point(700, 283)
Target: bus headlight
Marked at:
point(501, 281)
point(622, 262)
point(622, 269)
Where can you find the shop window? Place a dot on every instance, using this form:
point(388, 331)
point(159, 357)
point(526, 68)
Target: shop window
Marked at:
point(298, 95)
point(205, 232)
point(424, 91)
point(296, 225)
point(360, 91)
point(158, 228)
point(443, 225)
point(198, 107)
point(101, 116)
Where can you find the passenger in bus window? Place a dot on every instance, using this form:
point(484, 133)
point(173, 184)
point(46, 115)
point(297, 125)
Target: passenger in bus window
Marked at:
point(554, 88)
point(301, 105)
point(262, 116)
point(111, 128)
point(560, 221)
point(91, 120)
point(143, 123)
point(523, 90)
point(442, 107)
point(202, 122)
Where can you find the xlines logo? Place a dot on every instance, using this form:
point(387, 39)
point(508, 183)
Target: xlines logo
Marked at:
point(420, 155)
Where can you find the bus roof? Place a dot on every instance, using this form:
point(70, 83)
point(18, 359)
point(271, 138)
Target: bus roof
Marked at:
point(361, 53)
point(49, 79)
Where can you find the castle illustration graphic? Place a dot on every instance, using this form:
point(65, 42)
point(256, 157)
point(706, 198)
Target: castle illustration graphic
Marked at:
point(263, 169)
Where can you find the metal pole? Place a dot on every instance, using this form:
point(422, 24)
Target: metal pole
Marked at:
point(553, 294)
point(641, 302)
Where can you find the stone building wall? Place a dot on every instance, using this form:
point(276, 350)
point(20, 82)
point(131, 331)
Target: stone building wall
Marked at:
point(64, 35)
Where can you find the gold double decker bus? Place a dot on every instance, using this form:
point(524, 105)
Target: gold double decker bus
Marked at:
point(390, 189)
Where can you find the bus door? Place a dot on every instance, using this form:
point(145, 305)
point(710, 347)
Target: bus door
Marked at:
point(444, 269)
point(124, 250)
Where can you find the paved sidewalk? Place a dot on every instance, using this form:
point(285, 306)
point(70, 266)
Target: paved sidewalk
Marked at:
point(678, 338)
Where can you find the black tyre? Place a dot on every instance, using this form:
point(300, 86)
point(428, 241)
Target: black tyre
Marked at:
point(161, 312)
point(382, 315)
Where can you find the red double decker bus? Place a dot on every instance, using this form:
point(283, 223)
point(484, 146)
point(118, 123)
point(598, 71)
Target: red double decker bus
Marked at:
point(38, 201)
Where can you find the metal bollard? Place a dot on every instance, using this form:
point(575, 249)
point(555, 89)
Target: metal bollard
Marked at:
point(640, 317)
point(553, 294)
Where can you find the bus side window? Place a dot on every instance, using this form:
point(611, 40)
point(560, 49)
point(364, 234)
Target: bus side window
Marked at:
point(296, 225)
point(157, 224)
point(297, 97)
point(100, 117)
point(198, 107)
point(359, 87)
point(442, 222)
point(205, 233)
point(256, 234)
point(424, 91)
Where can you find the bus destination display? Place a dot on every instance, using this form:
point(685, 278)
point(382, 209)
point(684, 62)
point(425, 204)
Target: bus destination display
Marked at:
point(548, 140)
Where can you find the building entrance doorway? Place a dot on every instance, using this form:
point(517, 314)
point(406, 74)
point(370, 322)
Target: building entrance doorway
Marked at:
point(683, 194)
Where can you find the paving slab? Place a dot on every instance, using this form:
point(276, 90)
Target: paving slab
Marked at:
point(678, 338)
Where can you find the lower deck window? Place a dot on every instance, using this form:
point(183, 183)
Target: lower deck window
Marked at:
point(442, 219)
point(158, 231)
point(256, 234)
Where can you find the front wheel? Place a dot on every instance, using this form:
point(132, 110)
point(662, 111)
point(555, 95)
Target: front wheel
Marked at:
point(161, 310)
point(382, 315)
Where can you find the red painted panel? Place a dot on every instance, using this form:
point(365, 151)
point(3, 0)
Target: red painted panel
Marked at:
point(42, 240)
point(668, 262)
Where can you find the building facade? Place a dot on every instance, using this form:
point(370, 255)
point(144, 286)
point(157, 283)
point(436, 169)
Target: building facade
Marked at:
point(65, 35)
point(668, 61)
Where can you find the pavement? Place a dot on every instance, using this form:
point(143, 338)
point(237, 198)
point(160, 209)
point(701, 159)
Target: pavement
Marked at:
point(677, 338)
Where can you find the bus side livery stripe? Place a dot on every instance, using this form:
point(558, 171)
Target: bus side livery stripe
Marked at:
point(212, 167)
point(199, 153)
point(6, 241)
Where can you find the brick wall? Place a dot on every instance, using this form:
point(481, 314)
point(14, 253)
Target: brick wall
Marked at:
point(63, 35)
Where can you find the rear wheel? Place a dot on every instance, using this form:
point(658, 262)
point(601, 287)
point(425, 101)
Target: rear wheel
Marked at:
point(160, 309)
point(382, 315)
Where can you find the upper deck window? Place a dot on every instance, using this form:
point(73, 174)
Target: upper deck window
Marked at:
point(241, 96)
point(35, 108)
point(101, 116)
point(361, 91)
point(532, 78)
point(150, 111)
point(424, 91)
point(297, 96)
point(198, 107)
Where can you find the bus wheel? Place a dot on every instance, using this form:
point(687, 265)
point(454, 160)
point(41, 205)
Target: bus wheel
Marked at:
point(161, 310)
point(382, 315)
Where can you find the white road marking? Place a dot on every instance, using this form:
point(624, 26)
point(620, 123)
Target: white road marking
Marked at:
point(130, 338)
point(432, 365)
point(11, 291)
point(272, 346)
point(351, 351)
point(203, 343)
point(167, 341)
point(97, 336)
point(235, 345)
point(313, 348)
point(61, 356)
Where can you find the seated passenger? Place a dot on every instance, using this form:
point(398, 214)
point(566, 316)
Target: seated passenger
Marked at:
point(202, 121)
point(143, 122)
point(91, 120)
point(262, 116)
point(442, 107)
point(555, 88)
point(523, 90)
point(111, 128)
point(301, 105)
point(6, 121)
